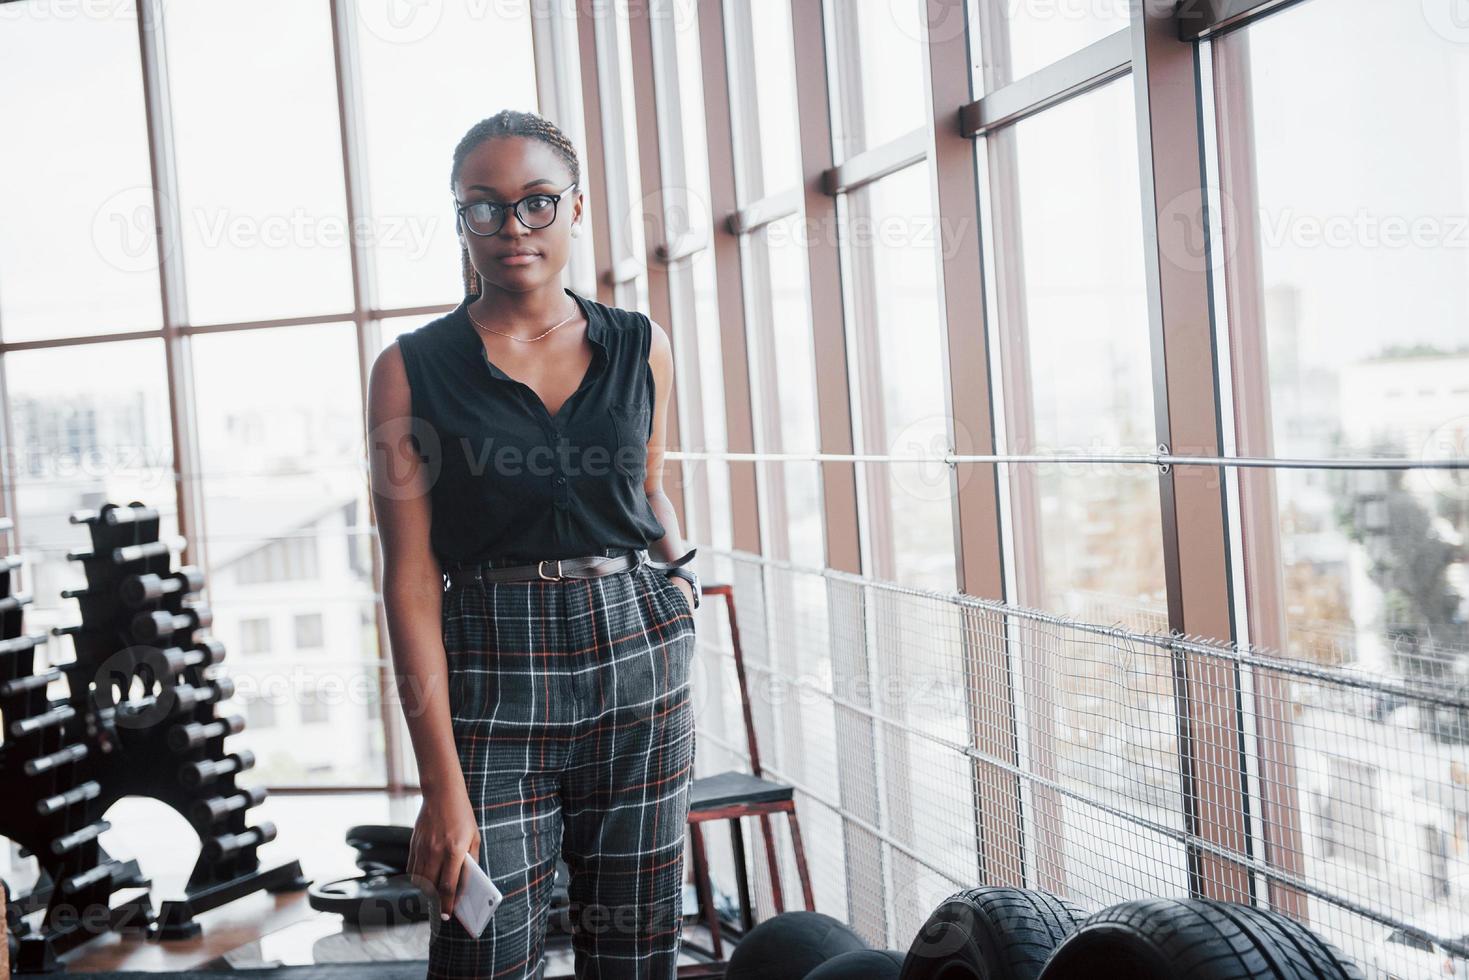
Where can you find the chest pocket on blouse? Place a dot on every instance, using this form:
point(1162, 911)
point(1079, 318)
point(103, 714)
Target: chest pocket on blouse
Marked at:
point(630, 455)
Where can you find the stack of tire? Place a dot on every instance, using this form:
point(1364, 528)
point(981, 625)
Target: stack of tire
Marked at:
point(1024, 934)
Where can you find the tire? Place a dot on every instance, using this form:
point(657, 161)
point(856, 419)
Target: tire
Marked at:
point(1196, 939)
point(790, 945)
point(990, 934)
point(860, 964)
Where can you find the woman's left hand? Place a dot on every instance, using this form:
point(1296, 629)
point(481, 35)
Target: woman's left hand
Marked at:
point(686, 587)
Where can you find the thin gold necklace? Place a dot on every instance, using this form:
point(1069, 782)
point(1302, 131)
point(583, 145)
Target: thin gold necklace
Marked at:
point(523, 340)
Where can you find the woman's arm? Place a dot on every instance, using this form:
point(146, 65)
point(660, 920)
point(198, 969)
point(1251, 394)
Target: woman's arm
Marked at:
point(660, 360)
point(412, 591)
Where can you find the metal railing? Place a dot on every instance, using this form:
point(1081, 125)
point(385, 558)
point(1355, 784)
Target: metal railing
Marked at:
point(939, 741)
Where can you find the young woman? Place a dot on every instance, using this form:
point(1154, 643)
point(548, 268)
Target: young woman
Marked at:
point(541, 652)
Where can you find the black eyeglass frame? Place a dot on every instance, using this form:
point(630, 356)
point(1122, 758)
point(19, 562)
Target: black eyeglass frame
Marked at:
point(515, 207)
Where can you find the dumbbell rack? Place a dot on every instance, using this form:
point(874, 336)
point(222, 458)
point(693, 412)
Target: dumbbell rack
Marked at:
point(140, 721)
point(169, 741)
point(46, 804)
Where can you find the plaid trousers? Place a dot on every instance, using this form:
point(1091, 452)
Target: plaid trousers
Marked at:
point(575, 733)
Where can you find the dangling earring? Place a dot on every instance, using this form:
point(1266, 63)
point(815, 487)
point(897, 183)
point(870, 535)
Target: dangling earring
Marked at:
point(471, 275)
point(576, 230)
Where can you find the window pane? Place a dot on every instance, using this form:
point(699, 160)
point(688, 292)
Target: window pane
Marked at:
point(390, 329)
point(308, 630)
point(887, 95)
point(1083, 333)
point(309, 721)
point(1041, 33)
point(1368, 769)
point(692, 154)
point(628, 238)
point(1361, 190)
point(698, 348)
point(91, 426)
point(774, 110)
point(77, 247)
point(1101, 721)
point(286, 512)
point(700, 384)
point(783, 392)
point(897, 330)
point(426, 79)
point(254, 635)
point(1348, 305)
point(259, 164)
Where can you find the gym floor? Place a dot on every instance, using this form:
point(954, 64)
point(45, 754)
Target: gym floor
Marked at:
point(263, 929)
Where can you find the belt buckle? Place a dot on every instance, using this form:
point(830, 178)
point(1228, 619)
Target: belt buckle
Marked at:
point(541, 570)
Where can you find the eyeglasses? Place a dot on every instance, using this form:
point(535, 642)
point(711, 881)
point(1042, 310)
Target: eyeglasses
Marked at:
point(488, 217)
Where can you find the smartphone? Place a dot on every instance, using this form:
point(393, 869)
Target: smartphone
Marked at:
point(477, 899)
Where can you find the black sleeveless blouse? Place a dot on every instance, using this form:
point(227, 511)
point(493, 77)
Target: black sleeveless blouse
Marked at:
point(511, 482)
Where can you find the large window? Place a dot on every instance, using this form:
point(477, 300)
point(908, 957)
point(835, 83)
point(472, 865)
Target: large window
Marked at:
point(1344, 203)
point(897, 337)
point(885, 98)
point(261, 200)
point(1355, 191)
point(620, 155)
point(429, 73)
point(1037, 33)
point(91, 425)
point(1107, 289)
point(782, 386)
point(990, 221)
point(773, 111)
point(889, 239)
point(781, 360)
point(694, 313)
point(77, 247)
point(252, 152)
point(1080, 364)
point(284, 497)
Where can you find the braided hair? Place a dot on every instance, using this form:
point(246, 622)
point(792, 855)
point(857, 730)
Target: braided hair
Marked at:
point(508, 122)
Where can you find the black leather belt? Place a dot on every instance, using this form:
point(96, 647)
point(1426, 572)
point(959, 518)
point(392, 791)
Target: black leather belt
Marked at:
point(559, 569)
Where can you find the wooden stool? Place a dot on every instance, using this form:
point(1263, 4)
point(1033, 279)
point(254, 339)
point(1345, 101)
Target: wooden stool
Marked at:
point(731, 795)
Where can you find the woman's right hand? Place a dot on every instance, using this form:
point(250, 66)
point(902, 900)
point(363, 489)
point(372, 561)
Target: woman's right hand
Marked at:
point(446, 830)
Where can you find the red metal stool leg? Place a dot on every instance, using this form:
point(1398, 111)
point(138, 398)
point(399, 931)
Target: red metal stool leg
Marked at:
point(742, 875)
point(772, 859)
point(701, 883)
point(801, 868)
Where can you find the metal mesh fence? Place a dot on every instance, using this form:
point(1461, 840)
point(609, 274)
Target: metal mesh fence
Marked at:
point(938, 741)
